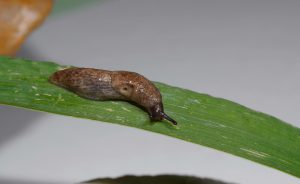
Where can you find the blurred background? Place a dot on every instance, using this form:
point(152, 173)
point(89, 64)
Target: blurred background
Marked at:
point(245, 51)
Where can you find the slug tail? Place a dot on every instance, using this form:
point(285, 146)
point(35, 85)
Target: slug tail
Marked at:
point(56, 78)
point(59, 78)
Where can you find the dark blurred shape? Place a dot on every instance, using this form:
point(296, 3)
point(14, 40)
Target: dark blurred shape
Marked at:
point(159, 179)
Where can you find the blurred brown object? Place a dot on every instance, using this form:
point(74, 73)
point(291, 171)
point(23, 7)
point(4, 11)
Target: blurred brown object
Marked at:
point(17, 19)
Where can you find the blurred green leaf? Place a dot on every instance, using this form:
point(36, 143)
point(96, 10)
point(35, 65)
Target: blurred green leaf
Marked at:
point(203, 119)
point(63, 6)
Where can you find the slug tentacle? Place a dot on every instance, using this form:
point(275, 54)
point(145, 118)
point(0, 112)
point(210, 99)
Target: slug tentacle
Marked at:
point(99, 84)
point(168, 118)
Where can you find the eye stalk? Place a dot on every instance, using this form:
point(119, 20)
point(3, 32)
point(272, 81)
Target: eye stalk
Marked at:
point(156, 113)
point(165, 116)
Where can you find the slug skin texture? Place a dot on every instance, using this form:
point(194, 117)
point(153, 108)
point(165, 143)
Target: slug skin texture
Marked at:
point(97, 84)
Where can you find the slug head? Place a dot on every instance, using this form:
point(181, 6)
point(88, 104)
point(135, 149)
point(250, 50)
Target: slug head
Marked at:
point(156, 113)
point(134, 87)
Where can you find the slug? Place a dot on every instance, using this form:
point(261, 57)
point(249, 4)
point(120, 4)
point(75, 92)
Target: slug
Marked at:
point(97, 84)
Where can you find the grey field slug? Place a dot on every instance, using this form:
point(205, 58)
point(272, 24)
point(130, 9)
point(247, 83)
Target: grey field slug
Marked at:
point(97, 84)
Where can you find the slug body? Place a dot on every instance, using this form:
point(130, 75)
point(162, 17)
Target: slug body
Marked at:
point(96, 84)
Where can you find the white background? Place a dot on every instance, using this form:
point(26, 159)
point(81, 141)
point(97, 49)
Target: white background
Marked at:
point(245, 51)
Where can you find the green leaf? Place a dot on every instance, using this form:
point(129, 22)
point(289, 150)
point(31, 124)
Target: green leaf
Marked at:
point(203, 119)
point(63, 6)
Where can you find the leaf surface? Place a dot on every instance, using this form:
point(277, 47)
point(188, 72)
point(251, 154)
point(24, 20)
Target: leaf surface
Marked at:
point(202, 119)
